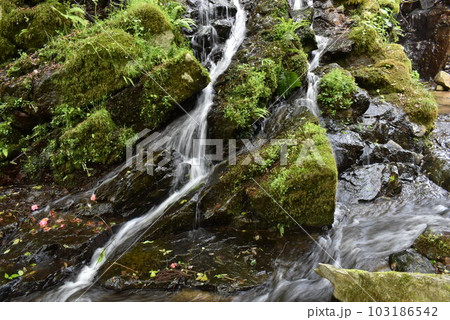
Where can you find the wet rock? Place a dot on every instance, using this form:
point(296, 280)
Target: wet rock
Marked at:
point(358, 285)
point(132, 191)
point(410, 261)
point(389, 152)
point(426, 37)
point(221, 260)
point(340, 46)
point(437, 156)
point(443, 79)
point(361, 102)
point(347, 147)
point(434, 244)
point(383, 122)
point(223, 28)
point(366, 183)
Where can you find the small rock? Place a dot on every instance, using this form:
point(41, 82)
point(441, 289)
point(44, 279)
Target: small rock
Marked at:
point(439, 88)
point(443, 79)
point(410, 261)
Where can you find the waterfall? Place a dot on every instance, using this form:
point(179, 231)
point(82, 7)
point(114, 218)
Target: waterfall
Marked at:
point(300, 4)
point(313, 80)
point(182, 133)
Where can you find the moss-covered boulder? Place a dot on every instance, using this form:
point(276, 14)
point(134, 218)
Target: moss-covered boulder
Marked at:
point(270, 191)
point(363, 286)
point(29, 28)
point(157, 95)
point(96, 140)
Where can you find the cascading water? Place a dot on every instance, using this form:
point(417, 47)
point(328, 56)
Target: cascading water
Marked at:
point(313, 80)
point(182, 133)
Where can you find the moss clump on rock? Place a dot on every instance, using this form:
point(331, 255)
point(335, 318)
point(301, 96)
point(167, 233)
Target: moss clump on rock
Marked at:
point(29, 28)
point(304, 186)
point(96, 66)
point(433, 245)
point(336, 91)
point(252, 89)
point(96, 140)
point(142, 17)
point(271, 60)
point(363, 286)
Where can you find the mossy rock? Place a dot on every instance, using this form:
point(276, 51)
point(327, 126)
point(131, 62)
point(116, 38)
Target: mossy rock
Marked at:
point(362, 286)
point(144, 18)
point(305, 188)
point(96, 140)
point(156, 97)
point(29, 28)
point(433, 245)
point(386, 76)
point(96, 66)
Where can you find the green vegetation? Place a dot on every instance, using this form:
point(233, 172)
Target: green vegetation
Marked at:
point(390, 74)
point(29, 28)
point(137, 44)
point(305, 187)
point(253, 87)
point(277, 64)
point(96, 140)
point(336, 90)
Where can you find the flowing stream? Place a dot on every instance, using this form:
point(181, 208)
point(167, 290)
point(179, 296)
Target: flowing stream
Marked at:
point(182, 135)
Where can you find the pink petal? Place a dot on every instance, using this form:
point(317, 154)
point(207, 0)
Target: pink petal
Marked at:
point(93, 197)
point(34, 207)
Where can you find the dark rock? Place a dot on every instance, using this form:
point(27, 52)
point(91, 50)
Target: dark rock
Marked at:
point(389, 152)
point(132, 191)
point(361, 102)
point(339, 47)
point(383, 122)
point(437, 157)
point(347, 147)
point(426, 37)
point(223, 28)
point(366, 183)
point(410, 261)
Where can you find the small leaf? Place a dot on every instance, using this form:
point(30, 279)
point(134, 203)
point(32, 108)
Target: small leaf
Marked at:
point(147, 242)
point(27, 254)
point(20, 273)
point(16, 241)
point(7, 251)
point(153, 273)
point(102, 256)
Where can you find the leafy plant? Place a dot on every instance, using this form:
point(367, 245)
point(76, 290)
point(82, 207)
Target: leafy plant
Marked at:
point(336, 90)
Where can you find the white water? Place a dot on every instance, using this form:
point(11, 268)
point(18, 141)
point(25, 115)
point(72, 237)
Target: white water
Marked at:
point(185, 131)
point(301, 4)
point(310, 101)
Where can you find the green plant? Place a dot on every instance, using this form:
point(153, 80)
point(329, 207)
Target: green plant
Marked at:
point(336, 90)
point(285, 30)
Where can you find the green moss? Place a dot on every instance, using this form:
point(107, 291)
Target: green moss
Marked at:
point(386, 76)
point(336, 90)
point(305, 187)
point(181, 76)
point(392, 79)
point(253, 87)
point(142, 17)
point(96, 66)
point(434, 246)
point(366, 39)
point(97, 140)
point(30, 28)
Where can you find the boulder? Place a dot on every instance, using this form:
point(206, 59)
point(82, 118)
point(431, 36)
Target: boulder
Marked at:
point(443, 79)
point(366, 183)
point(347, 147)
point(363, 286)
point(410, 261)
